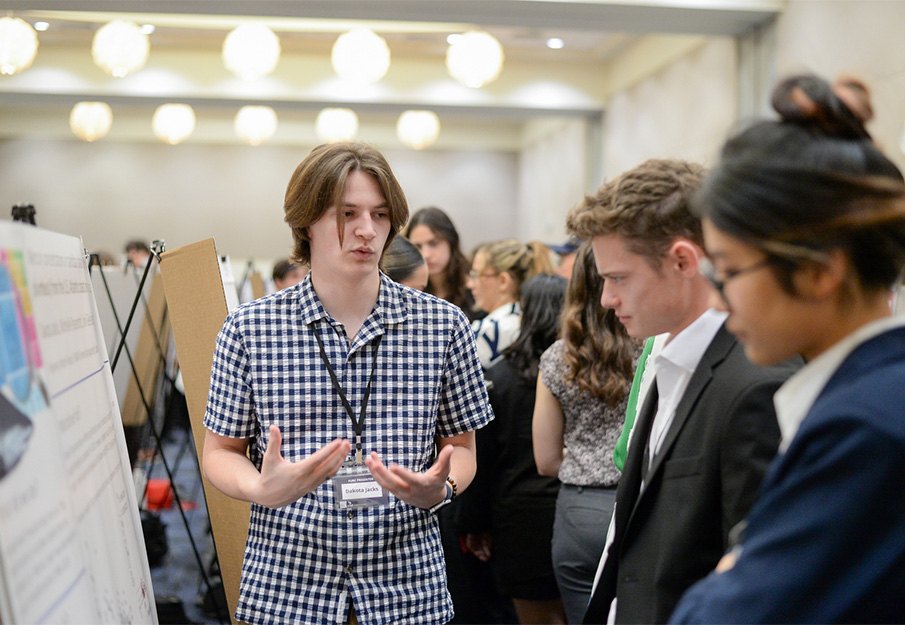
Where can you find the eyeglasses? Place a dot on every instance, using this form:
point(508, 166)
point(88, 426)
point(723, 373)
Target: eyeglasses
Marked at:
point(474, 275)
point(706, 269)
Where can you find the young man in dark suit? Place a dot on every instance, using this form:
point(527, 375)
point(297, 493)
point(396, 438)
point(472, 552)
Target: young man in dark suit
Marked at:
point(707, 430)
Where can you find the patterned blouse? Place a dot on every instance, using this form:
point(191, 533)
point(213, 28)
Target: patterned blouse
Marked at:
point(590, 427)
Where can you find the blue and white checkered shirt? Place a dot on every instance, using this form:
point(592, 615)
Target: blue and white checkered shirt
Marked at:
point(303, 561)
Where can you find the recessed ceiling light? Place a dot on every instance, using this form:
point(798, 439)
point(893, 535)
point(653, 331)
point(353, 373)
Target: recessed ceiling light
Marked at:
point(555, 43)
point(453, 37)
point(148, 28)
point(41, 26)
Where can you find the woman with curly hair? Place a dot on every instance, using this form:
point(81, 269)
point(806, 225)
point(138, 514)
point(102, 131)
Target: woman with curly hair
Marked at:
point(582, 392)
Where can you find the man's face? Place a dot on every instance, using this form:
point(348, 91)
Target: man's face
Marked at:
point(293, 276)
point(646, 301)
point(137, 257)
point(365, 231)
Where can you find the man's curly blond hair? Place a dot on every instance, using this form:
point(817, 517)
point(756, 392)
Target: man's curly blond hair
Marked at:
point(647, 205)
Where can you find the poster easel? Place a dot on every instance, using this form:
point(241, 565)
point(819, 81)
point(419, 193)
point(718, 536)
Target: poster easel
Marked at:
point(71, 546)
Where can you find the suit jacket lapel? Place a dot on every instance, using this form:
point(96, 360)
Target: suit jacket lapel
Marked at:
point(633, 470)
point(715, 353)
point(626, 497)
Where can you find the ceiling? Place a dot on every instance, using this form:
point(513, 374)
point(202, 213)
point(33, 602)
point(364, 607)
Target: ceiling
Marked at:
point(184, 65)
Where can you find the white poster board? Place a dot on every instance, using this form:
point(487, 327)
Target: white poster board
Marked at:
point(71, 546)
point(123, 285)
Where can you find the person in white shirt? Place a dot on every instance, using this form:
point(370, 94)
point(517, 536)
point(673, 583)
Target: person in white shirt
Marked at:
point(497, 271)
point(707, 429)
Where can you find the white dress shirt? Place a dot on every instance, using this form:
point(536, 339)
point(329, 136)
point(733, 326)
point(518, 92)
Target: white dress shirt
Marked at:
point(675, 364)
point(672, 367)
point(795, 398)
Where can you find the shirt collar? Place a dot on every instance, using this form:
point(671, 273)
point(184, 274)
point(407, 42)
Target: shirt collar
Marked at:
point(795, 398)
point(687, 348)
point(389, 310)
point(506, 310)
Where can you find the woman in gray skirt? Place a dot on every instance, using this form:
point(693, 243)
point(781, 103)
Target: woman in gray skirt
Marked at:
point(582, 390)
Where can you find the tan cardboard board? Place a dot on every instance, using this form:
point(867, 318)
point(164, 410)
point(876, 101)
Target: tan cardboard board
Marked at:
point(197, 306)
point(154, 337)
point(257, 285)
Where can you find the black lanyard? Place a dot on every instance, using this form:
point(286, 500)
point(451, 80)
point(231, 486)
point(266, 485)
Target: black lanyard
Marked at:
point(357, 425)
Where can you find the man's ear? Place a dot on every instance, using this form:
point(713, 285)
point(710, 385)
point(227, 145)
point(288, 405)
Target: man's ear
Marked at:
point(684, 256)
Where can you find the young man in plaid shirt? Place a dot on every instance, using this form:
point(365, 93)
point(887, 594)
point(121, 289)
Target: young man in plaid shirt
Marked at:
point(327, 400)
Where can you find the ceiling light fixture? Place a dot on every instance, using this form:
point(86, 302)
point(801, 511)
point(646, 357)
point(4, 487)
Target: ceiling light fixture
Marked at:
point(555, 43)
point(418, 129)
point(255, 124)
point(120, 48)
point(173, 123)
point(336, 124)
point(475, 58)
point(361, 55)
point(91, 121)
point(251, 51)
point(18, 45)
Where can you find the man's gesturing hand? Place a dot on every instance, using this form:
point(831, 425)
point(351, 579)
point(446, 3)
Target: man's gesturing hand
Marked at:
point(421, 490)
point(281, 482)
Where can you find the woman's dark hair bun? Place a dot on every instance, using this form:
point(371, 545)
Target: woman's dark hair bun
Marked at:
point(840, 109)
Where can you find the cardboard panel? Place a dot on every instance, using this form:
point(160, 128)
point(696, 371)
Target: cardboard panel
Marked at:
point(257, 285)
point(197, 307)
point(147, 356)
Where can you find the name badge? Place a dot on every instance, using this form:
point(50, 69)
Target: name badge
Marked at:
point(354, 487)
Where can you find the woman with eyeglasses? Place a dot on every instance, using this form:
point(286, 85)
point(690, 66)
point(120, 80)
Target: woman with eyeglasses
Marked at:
point(498, 270)
point(804, 222)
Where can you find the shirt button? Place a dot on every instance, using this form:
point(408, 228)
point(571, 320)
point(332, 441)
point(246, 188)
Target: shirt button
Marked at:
point(349, 569)
point(351, 514)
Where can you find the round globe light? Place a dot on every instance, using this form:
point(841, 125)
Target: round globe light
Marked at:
point(18, 45)
point(173, 123)
point(361, 55)
point(336, 124)
point(418, 129)
point(120, 48)
point(475, 58)
point(251, 51)
point(91, 121)
point(255, 124)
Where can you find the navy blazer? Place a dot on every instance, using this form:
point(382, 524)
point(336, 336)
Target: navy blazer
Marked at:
point(825, 543)
point(702, 482)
